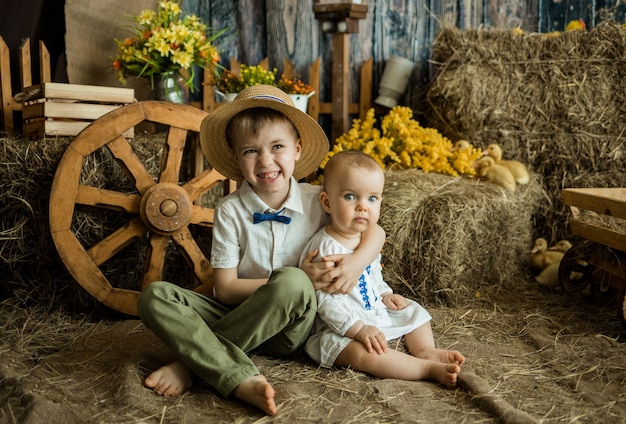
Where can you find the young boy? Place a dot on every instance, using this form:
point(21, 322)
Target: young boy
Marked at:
point(352, 329)
point(262, 301)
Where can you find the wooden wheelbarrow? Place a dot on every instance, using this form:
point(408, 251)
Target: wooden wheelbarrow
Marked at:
point(597, 267)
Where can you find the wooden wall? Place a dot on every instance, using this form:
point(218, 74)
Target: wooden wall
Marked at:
point(288, 28)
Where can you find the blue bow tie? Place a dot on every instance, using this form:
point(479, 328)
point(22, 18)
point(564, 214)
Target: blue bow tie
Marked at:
point(260, 217)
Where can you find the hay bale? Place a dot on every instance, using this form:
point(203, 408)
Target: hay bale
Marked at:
point(449, 238)
point(556, 103)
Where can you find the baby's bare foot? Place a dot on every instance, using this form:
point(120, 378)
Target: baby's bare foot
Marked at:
point(258, 392)
point(170, 380)
point(442, 355)
point(446, 374)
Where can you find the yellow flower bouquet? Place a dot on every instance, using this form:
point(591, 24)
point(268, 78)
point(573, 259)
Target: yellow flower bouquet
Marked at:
point(166, 43)
point(402, 143)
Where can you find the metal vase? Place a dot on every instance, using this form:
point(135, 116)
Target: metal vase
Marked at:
point(170, 88)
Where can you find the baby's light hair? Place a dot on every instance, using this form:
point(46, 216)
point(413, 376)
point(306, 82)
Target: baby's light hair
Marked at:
point(250, 121)
point(345, 158)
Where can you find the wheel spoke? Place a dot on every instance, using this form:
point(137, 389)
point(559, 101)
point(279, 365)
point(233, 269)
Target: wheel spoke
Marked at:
point(195, 258)
point(131, 164)
point(108, 199)
point(116, 241)
point(173, 155)
point(202, 216)
point(155, 259)
point(202, 183)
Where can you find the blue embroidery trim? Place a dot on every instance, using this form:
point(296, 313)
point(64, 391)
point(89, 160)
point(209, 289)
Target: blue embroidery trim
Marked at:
point(363, 290)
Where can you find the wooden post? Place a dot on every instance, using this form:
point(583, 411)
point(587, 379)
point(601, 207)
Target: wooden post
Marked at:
point(9, 105)
point(340, 19)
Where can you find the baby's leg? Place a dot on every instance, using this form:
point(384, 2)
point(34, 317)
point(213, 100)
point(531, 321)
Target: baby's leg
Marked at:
point(258, 392)
point(170, 380)
point(421, 344)
point(395, 364)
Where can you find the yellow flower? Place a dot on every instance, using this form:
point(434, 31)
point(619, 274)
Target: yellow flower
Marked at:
point(401, 142)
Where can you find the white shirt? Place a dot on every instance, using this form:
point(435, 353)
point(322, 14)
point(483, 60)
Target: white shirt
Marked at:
point(257, 249)
point(336, 313)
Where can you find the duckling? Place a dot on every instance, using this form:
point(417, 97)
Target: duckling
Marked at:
point(488, 169)
point(461, 146)
point(517, 168)
point(561, 246)
point(549, 277)
point(541, 257)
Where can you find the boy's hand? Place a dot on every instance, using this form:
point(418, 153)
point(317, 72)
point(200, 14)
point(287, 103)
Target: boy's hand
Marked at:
point(318, 272)
point(343, 274)
point(372, 338)
point(395, 301)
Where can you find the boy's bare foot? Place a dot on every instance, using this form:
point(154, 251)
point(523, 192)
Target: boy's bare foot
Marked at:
point(446, 374)
point(258, 392)
point(170, 380)
point(442, 355)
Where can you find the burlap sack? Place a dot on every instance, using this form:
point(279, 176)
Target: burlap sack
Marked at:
point(91, 30)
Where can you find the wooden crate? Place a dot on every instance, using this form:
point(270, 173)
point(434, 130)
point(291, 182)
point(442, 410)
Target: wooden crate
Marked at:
point(66, 109)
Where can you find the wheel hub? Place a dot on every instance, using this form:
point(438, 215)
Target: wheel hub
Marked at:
point(165, 208)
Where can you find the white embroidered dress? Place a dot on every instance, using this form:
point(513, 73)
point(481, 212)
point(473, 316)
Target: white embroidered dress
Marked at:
point(336, 313)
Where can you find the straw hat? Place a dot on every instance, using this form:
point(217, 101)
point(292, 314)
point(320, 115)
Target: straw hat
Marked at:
point(213, 131)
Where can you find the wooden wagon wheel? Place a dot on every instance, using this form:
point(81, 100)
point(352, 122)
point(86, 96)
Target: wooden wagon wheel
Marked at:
point(583, 274)
point(576, 273)
point(160, 210)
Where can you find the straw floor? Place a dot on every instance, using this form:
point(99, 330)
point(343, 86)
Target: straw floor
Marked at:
point(532, 356)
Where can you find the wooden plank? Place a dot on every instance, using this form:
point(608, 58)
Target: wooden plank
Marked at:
point(52, 109)
point(62, 128)
point(92, 93)
point(599, 234)
point(365, 97)
point(45, 74)
point(340, 85)
point(607, 201)
point(8, 105)
point(26, 78)
point(292, 33)
point(314, 80)
point(58, 128)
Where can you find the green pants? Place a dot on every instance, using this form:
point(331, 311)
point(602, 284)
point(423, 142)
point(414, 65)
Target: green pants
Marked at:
point(212, 338)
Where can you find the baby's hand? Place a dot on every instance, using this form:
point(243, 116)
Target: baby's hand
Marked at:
point(372, 338)
point(395, 302)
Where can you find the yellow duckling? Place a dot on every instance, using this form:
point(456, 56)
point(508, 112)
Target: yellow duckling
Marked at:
point(541, 257)
point(517, 168)
point(561, 246)
point(549, 277)
point(488, 169)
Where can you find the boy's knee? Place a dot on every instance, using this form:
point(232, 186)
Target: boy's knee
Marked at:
point(146, 300)
point(291, 282)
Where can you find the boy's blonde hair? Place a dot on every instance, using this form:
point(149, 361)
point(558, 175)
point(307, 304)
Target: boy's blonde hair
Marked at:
point(250, 121)
point(345, 158)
